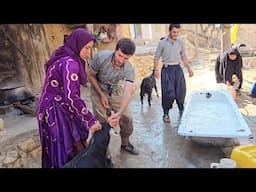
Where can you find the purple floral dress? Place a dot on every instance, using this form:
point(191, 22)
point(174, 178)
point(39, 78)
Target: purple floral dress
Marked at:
point(63, 117)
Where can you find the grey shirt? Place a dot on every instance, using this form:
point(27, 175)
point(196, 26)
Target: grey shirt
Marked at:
point(107, 74)
point(171, 52)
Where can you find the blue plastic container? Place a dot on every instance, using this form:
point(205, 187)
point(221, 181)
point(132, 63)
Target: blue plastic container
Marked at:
point(253, 90)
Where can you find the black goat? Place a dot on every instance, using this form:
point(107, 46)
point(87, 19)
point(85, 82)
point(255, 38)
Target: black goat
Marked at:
point(146, 87)
point(94, 156)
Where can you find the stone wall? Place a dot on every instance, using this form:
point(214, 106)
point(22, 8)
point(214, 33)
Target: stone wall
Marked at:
point(247, 34)
point(23, 52)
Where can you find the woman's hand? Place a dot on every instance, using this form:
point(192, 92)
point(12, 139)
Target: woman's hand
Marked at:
point(96, 127)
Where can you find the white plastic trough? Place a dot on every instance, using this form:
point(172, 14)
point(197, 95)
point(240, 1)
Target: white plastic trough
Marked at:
point(212, 114)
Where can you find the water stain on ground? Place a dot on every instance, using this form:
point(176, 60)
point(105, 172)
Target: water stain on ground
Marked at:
point(159, 144)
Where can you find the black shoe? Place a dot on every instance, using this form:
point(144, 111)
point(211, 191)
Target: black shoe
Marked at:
point(129, 148)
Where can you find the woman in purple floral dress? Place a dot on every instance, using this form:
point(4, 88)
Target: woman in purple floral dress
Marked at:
point(63, 118)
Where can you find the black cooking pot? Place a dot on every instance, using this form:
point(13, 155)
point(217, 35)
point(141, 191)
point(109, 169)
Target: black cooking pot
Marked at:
point(13, 90)
point(10, 96)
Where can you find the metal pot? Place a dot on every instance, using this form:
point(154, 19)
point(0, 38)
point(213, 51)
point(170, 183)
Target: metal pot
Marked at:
point(12, 91)
point(10, 96)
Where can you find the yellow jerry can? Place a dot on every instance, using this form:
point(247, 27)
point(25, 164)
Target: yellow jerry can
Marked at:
point(245, 156)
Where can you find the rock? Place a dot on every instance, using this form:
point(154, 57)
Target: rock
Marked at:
point(20, 163)
point(1, 124)
point(22, 154)
point(2, 157)
point(11, 157)
point(36, 153)
point(27, 145)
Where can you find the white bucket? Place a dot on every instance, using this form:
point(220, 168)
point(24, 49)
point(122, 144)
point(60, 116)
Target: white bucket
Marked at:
point(224, 163)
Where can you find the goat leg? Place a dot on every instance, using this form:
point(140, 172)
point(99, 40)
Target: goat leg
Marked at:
point(141, 99)
point(149, 99)
point(156, 91)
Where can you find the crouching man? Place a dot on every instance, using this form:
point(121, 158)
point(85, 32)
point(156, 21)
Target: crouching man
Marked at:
point(107, 72)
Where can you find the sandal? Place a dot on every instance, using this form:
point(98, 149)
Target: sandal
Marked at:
point(166, 118)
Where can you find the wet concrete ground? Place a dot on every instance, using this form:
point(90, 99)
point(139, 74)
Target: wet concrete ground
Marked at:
point(159, 144)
